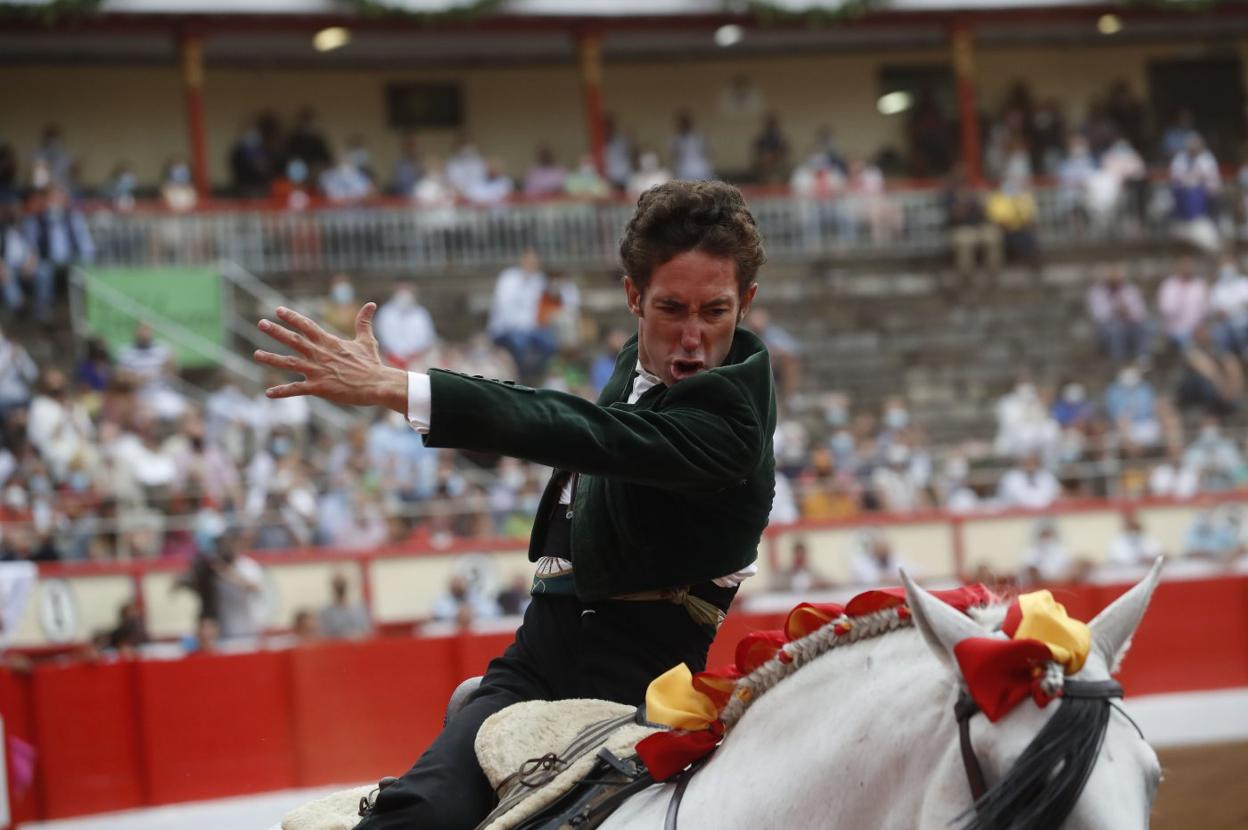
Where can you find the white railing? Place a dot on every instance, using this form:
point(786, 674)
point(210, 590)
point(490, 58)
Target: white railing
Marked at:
point(396, 236)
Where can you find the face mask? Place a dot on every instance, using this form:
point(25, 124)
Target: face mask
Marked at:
point(79, 482)
point(358, 157)
point(404, 299)
point(836, 416)
point(180, 174)
point(1073, 394)
point(896, 418)
point(281, 446)
point(1129, 378)
point(297, 171)
point(342, 293)
point(126, 183)
point(1209, 434)
point(842, 443)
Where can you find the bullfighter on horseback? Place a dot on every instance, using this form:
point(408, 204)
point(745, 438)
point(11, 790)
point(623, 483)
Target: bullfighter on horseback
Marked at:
point(660, 492)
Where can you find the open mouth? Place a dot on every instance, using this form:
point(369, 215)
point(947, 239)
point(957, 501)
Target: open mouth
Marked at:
point(682, 369)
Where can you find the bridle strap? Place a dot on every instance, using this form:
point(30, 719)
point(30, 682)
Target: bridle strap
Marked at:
point(965, 708)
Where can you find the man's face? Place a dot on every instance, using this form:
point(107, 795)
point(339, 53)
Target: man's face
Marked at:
point(687, 315)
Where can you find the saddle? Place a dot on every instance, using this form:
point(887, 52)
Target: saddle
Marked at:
point(561, 764)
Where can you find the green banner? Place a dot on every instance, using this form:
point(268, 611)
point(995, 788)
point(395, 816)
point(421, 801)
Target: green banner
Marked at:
point(187, 299)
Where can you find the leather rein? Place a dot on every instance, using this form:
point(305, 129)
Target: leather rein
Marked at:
point(965, 708)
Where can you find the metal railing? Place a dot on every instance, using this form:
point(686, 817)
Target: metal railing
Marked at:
point(568, 233)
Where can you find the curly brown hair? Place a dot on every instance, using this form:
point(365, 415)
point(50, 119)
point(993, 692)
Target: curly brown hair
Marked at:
point(680, 216)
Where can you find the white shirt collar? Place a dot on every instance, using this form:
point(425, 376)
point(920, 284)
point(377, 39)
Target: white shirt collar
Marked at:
point(643, 383)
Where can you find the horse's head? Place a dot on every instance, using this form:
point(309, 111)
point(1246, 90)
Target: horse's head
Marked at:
point(1074, 763)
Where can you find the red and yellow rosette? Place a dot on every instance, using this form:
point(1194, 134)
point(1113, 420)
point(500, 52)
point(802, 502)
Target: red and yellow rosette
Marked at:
point(674, 701)
point(1000, 673)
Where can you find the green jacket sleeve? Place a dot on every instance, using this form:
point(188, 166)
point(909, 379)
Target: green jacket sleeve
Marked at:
point(706, 435)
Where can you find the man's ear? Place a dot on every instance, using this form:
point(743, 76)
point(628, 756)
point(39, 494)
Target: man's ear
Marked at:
point(632, 296)
point(747, 300)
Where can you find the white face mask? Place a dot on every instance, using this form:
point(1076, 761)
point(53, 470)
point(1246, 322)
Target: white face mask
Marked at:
point(342, 293)
point(404, 299)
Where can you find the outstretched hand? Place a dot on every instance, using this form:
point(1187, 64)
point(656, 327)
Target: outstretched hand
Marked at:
point(347, 372)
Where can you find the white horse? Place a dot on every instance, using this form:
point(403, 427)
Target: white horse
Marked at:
point(863, 736)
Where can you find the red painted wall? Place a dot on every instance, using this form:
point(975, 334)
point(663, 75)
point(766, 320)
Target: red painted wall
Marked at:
point(130, 734)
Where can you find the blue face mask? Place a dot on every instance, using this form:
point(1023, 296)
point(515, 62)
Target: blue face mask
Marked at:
point(297, 171)
point(180, 174)
point(342, 293)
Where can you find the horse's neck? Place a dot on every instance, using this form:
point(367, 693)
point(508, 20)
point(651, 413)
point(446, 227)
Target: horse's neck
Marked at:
point(863, 736)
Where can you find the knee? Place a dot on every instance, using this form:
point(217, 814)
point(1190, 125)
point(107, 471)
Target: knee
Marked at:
point(421, 814)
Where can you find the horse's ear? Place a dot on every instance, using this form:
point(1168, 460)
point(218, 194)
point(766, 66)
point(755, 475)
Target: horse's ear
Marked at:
point(1113, 627)
point(942, 626)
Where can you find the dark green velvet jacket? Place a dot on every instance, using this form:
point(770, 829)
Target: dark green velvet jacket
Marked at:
point(673, 490)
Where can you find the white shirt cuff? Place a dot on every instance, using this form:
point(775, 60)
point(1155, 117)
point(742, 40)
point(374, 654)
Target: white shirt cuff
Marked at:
point(419, 401)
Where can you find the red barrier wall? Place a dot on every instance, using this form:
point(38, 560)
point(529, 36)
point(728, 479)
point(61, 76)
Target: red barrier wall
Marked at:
point(123, 735)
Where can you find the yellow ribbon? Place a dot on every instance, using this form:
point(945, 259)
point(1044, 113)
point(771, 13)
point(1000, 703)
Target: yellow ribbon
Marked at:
point(672, 701)
point(1044, 619)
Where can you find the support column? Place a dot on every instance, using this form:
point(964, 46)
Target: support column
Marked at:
point(589, 47)
point(962, 42)
point(191, 56)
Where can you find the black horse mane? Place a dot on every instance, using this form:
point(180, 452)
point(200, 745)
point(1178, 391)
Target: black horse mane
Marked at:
point(1041, 789)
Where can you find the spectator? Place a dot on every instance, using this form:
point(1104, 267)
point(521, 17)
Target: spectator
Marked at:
point(241, 604)
point(462, 604)
point(207, 637)
point(304, 627)
point(1195, 182)
point(51, 163)
point(408, 169)
point(1183, 302)
point(1210, 380)
point(971, 234)
point(342, 620)
point(291, 191)
point(513, 323)
point(799, 577)
point(1123, 173)
point(404, 328)
point(1028, 486)
point(546, 177)
point(771, 152)
point(1118, 310)
point(96, 367)
point(18, 259)
point(1131, 406)
point(1013, 209)
point(1215, 534)
point(784, 348)
point(1046, 559)
point(513, 599)
point(650, 173)
point(1075, 173)
point(17, 374)
point(826, 152)
point(361, 159)
point(604, 363)
point(585, 183)
point(1024, 424)
point(58, 233)
point(341, 307)
point(875, 563)
point(251, 167)
point(690, 150)
point(121, 187)
point(145, 361)
point(345, 183)
point(494, 188)
point(1132, 546)
point(1212, 458)
point(307, 142)
point(1228, 308)
point(59, 426)
point(129, 634)
point(466, 168)
point(896, 488)
point(1178, 135)
point(617, 155)
point(435, 195)
point(177, 191)
point(873, 206)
